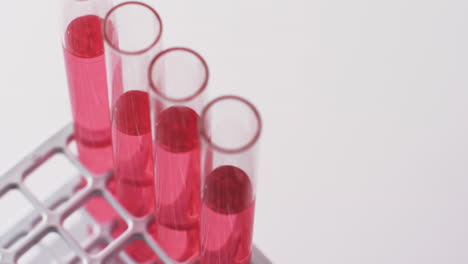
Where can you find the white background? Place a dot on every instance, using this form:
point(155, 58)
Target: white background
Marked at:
point(364, 155)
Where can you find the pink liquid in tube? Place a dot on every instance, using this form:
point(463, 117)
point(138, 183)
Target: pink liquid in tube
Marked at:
point(227, 217)
point(86, 72)
point(134, 183)
point(177, 181)
point(133, 152)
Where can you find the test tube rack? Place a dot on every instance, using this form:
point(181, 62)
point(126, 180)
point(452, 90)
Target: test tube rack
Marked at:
point(49, 216)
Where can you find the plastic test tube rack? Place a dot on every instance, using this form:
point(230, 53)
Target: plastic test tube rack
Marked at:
point(29, 232)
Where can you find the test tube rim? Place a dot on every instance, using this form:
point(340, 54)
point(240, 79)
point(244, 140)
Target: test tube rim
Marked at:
point(137, 52)
point(159, 93)
point(205, 137)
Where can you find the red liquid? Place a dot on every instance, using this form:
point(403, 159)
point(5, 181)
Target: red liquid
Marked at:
point(86, 72)
point(227, 217)
point(177, 181)
point(133, 152)
point(133, 161)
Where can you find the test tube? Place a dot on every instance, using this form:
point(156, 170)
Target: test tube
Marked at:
point(83, 49)
point(230, 128)
point(178, 78)
point(132, 33)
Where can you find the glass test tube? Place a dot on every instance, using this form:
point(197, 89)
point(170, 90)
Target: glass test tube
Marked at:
point(132, 32)
point(178, 77)
point(83, 49)
point(229, 129)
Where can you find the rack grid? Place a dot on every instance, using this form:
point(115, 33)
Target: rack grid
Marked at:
point(48, 216)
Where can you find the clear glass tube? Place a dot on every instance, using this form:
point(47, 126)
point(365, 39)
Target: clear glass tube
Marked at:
point(178, 78)
point(230, 128)
point(83, 51)
point(132, 33)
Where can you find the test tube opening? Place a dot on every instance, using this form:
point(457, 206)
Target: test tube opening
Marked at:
point(178, 75)
point(230, 124)
point(132, 28)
